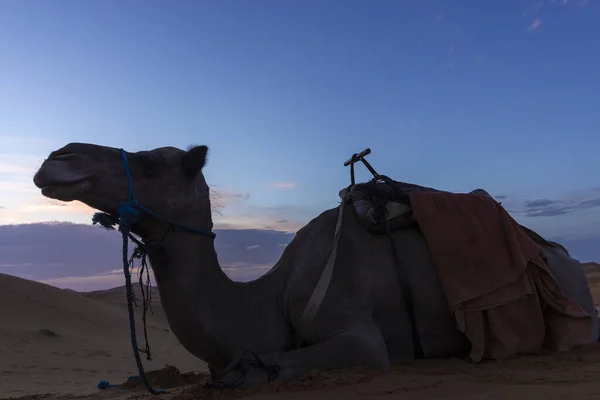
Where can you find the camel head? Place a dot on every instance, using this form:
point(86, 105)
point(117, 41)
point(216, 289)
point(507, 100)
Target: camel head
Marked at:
point(167, 180)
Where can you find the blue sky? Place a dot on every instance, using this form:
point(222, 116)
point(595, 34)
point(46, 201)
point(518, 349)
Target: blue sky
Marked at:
point(456, 95)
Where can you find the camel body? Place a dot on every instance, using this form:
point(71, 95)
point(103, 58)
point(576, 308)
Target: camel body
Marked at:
point(363, 319)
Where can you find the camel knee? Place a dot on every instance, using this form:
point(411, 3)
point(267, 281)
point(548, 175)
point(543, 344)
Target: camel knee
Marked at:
point(366, 348)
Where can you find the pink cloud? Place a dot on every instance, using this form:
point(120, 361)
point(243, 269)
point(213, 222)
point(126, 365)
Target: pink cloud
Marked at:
point(259, 223)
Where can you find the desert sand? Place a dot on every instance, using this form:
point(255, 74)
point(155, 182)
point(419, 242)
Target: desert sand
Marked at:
point(57, 343)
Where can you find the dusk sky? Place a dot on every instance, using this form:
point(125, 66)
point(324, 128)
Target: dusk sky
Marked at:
point(457, 95)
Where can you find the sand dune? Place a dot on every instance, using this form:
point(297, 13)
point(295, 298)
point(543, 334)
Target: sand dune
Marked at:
point(62, 342)
point(118, 298)
point(54, 340)
point(592, 270)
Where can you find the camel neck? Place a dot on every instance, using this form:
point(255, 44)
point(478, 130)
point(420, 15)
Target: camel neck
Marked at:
point(211, 315)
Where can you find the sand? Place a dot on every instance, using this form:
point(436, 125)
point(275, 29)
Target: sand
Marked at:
point(57, 343)
point(60, 341)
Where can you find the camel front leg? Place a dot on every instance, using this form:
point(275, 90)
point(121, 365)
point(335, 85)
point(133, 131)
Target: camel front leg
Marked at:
point(364, 347)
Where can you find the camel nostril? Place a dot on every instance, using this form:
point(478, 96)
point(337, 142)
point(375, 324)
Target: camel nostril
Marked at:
point(62, 157)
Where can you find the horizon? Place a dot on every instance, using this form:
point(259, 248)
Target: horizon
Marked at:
point(245, 254)
point(496, 95)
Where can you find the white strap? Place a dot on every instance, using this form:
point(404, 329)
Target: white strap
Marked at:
point(318, 294)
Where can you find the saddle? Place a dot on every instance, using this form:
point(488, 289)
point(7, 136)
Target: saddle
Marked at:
point(382, 205)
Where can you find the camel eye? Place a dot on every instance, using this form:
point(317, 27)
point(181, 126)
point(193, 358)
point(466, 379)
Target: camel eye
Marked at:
point(151, 166)
point(150, 162)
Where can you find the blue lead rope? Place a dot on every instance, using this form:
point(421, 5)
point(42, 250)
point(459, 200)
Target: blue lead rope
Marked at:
point(129, 214)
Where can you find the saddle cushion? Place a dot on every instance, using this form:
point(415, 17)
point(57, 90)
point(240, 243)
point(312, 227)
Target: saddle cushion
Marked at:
point(376, 201)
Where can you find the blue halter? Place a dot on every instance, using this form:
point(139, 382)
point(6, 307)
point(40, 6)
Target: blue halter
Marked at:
point(129, 214)
point(129, 211)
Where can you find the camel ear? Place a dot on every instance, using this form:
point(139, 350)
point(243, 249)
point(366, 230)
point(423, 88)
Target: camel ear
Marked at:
point(194, 160)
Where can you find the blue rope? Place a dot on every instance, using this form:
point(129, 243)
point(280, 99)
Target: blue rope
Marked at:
point(129, 214)
point(105, 385)
point(173, 224)
point(125, 231)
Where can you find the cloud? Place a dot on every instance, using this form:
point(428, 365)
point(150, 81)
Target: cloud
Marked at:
point(106, 280)
point(17, 186)
point(580, 200)
point(544, 208)
point(87, 283)
point(82, 256)
point(451, 50)
point(535, 24)
point(86, 257)
point(54, 206)
point(15, 165)
point(16, 170)
point(287, 218)
point(283, 185)
point(574, 215)
point(23, 202)
point(221, 198)
point(33, 208)
point(552, 207)
point(258, 223)
point(439, 17)
point(228, 196)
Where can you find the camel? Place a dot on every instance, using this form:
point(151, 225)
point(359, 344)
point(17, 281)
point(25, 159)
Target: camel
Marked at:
point(363, 319)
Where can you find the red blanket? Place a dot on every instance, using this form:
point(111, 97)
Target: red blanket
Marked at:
point(495, 277)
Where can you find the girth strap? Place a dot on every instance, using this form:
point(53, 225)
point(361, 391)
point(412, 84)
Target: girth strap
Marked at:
point(318, 294)
point(379, 202)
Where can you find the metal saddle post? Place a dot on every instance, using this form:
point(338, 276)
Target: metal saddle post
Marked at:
point(356, 157)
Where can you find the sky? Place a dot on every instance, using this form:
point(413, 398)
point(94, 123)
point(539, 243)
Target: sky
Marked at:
point(500, 95)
